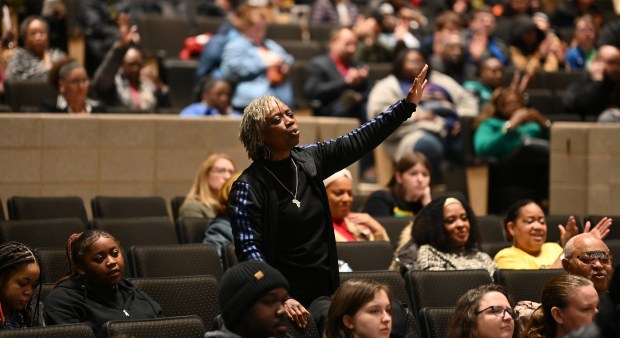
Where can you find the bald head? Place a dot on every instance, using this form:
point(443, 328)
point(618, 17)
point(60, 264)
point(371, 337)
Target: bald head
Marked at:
point(585, 255)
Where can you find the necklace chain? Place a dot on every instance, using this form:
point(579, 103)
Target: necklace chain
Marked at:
point(295, 200)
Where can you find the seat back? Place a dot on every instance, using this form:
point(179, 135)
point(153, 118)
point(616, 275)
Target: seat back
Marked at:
point(176, 260)
point(441, 288)
point(41, 232)
point(491, 228)
point(175, 205)
point(366, 255)
point(22, 208)
point(229, 257)
point(394, 227)
point(182, 296)
point(180, 77)
point(614, 249)
point(396, 284)
point(191, 229)
point(2, 218)
point(138, 230)
point(123, 207)
point(156, 34)
point(54, 264)
point(492, 248)
point(81, 330)
point(525, 284)
point(169, 327)
point(27, 95)
point(436, 320)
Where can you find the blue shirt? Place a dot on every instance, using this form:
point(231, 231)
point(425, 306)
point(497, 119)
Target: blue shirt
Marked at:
point(201, 109)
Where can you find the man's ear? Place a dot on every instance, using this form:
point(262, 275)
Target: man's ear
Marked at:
point(565, 264)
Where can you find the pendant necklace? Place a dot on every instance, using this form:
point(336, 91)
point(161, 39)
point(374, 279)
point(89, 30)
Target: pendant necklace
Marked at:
point(295, 200)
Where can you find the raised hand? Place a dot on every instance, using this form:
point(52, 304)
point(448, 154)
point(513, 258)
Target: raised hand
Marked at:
point(601, 229)
point(417, 88)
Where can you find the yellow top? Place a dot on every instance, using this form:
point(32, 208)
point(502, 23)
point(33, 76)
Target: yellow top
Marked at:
point(517, 259)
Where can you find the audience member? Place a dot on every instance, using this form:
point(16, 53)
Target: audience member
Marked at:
point(588, 256)
point(265, 204)
point(360, 308)
point(219, 231)
point(485, 312)
point(368, 48)
point(568, 302)
point(446, 23)
point(527, 228)
point(20, 272)
point(518, 137)
point(567, 12)
point(490, 77)
point(394, 31)
point(433, 130)
point(35, 58)
point(349, 226)
point(255, 64)
point(214, 100)
point(122, 80)
point(481, 42)
point(600, 91)
point(448, 238)
point(338, 12)
point(449, 58)
point(583, 51)
point(251, 298)
point(531, 50)
point(408, 190)
point(202, 197)
point(69, 77)
point(95, 290)
point(336, 83)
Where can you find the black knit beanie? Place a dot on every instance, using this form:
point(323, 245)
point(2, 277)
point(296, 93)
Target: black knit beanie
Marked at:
point(243, 284)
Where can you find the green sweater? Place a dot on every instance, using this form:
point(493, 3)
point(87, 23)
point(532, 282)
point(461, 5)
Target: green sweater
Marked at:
point(490, 141)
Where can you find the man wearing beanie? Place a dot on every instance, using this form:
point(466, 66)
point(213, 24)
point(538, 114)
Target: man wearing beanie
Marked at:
point(251, 296)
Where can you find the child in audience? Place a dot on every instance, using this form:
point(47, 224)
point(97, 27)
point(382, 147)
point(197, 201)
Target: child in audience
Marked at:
point(95, 290)
point(568, 302)
point(20, 272)
point(484, 312)
point(203, 195)
point(360, 308)
point(214, 100)
point(583, 51)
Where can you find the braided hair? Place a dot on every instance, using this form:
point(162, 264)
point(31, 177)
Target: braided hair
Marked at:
point(78, 245)
point(14, 256)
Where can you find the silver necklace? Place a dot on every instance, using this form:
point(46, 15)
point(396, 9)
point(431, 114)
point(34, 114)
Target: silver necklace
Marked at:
point(295, 200)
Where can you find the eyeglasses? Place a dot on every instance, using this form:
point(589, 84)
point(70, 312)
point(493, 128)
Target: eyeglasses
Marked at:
point(589, 257)
point(220, 171)
point(500, 311)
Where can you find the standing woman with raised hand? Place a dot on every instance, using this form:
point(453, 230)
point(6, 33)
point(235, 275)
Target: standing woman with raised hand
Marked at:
point(95, 290)
point(278, 207)
point(20, 271)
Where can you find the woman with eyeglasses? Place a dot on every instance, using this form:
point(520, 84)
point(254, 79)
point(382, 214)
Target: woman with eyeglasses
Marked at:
point(568, 303)
point(69, 77)
point(527, 228)
point(202, 197)
point(484, 312)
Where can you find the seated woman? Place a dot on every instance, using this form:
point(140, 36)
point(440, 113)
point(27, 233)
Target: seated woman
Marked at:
point(448, 239)
point(35, 58)
point(360, 308)
point(20, 271)
point(409, 189)
point(69, 77)
point(95, 291)
point(349, 226)
point(219, 230)
point(203, 195)
point(484, 312)
point(527, 228)
point(568, 302)
point(518, 136)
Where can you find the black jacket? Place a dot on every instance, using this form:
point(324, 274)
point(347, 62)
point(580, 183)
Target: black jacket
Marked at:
point(71, 302)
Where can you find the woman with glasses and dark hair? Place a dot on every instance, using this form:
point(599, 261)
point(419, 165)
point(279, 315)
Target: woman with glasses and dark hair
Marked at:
point(484, 312)
point(568, 302)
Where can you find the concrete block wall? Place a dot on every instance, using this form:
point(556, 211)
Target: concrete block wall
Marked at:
point(122, 155)
point(585, 169)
